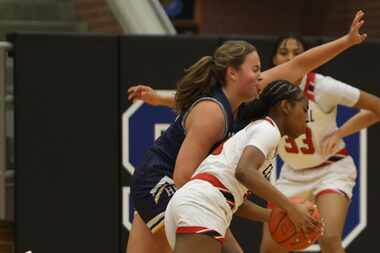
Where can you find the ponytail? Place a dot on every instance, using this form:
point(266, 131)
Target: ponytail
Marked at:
point(252, 110)
point(196, 83)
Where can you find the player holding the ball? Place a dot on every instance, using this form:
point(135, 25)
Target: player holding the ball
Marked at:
point(200, 212)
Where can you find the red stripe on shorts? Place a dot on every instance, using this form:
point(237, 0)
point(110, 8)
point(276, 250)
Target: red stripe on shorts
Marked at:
point(328, 191)
point(200, 230)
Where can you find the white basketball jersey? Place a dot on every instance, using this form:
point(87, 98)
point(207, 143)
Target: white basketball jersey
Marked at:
point(222, 163)
point(324, 94)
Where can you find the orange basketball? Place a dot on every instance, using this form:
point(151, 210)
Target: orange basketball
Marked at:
point(283, 230)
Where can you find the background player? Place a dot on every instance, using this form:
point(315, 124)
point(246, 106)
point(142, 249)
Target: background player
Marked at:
point(316, 165)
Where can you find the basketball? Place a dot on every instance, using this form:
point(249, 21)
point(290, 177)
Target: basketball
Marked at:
point(283, 230)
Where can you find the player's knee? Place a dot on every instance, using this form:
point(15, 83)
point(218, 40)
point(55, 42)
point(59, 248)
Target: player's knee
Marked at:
point(331, 244)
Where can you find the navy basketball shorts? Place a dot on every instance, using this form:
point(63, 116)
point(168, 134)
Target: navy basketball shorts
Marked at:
point(151, 189)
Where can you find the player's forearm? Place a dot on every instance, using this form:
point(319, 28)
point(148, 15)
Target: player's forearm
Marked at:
point(250, 210)
point(317, 56)
point(167, 100)
point(361, 120)
point(255, 182)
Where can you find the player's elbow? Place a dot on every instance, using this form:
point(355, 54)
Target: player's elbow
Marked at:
point(180, 179)
point(370, 104)
point(373, 114)
point(241, 175)
point(374, 117)
point(376, 114)
point(247, 176)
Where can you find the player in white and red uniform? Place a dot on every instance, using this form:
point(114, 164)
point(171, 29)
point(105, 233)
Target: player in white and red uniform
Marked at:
point(202, 209)
point(216, 175)
point(320, 173)
point(316, 165)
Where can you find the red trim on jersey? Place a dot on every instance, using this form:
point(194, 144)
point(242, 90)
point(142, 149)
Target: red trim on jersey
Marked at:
point(219, 185)
point(321, 165)
point(332, 159)
point(211, 179)
point(218, 149)
point(310, 81)
point(269, 120)
point(343, 151)
point(329, 191)
point(200, 230)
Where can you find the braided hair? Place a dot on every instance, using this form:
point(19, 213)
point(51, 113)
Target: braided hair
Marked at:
point(272, 94)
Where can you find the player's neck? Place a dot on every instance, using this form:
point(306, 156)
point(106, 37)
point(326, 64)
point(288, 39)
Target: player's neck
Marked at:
point(234, 101)
point(278, 119)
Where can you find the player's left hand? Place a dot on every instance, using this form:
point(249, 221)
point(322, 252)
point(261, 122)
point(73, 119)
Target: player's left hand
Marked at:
point(145, 93)
point(329, 143)
point(354, 36)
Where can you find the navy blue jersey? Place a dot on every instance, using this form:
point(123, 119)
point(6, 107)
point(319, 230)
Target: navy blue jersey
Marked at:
point(168, 144)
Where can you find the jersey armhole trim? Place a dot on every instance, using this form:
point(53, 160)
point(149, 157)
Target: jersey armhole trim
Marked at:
point(207, 99)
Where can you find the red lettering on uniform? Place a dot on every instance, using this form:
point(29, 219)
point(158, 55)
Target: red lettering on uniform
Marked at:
point(309, 149)
point(308, 140)
point(293, 145)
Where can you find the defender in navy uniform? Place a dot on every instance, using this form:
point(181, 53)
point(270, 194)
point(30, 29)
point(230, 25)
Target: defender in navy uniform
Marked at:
point(204, 123)
point(206, 97)
point(152, 184)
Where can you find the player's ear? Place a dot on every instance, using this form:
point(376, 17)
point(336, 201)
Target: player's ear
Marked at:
point(231, 73)
point(285, 106)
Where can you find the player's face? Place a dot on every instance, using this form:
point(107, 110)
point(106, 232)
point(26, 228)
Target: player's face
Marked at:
point(297, 117)
point(248, 76)
point(287, 50)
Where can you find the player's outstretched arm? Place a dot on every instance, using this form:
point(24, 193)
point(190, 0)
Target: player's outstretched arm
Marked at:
point(295, 69)
point(151, 96)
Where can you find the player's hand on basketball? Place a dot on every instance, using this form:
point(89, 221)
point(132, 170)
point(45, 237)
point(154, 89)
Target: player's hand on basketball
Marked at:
point(144, 93)
point(312, 207)
point(300, 215)
point(329, 143)
point(354, 35)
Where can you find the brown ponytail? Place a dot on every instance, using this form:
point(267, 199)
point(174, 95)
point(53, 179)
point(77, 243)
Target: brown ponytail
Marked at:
point(202, 75)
